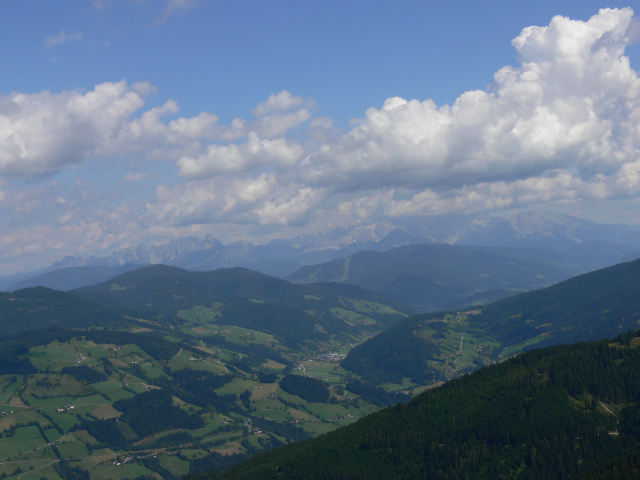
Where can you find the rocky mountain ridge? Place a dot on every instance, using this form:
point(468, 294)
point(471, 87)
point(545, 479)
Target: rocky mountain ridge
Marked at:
point(599, 245)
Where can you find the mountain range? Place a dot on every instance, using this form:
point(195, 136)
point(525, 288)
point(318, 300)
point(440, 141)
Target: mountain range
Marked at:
point(591, 244)
point(441, 276)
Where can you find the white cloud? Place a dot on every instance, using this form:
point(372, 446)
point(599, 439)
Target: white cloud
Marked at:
point(62, 37)
point(562, 128)
point(262, 200)
point(281, 102)
point(573, 103)
point(280, 113)
point(294, 210)
point(254, 153)
point(42, 133)
point(173, 7)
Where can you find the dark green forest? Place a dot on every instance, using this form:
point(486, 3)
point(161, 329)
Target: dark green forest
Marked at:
point(587, 307)
point(599, 304)
point(309, 389)
point(545, 414)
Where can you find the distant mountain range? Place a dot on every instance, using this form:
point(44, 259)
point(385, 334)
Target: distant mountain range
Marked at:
point(590, 244)
point(441, 276)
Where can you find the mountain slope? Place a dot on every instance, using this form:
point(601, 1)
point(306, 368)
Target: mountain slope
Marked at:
point(550, 413)
point(587, 307)
point(249, 299)
point(439, 276)
point(39, 307)
point(73, 277)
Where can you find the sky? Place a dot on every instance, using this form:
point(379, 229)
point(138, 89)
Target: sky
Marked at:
point(142, 121)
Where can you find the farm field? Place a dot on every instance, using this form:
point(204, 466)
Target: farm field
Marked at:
point(56, 421)
point(184, 390)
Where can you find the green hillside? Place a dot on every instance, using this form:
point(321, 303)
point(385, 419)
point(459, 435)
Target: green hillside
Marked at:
point(168, 372)
point(551, 413)
point(438, 346)
point(422, 350)
point(441, 276)
point(241, 297)
point(590, 306)
point(40, 307)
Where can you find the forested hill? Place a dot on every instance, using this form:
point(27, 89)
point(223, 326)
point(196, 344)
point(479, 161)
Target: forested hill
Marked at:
point(591, 306)
point(441, 276)
point(545, 414)
point(39, 307)
point(165, 289)
point(249, 299)
point(598, 304)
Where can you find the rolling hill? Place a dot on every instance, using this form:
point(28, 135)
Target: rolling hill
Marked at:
point(40, 307)
point(73, 277)
point(162, 372)
point(250, 299)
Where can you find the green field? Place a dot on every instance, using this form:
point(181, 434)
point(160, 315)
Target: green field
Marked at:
point(175, 465)
point(328, 371)
point(56, 404)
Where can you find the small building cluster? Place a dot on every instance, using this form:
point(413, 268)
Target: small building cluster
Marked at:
point(66, 408)
point(332, 357)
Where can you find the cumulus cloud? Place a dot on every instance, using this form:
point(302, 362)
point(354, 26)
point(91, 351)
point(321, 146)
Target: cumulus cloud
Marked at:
point(62, 37)
point(280, 113)
point(252, 154)
point(44, 132)
point(573, 103)
point(562, 127)
point(263, 200)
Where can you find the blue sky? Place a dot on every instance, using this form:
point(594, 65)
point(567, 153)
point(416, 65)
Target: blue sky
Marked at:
point(129, 121)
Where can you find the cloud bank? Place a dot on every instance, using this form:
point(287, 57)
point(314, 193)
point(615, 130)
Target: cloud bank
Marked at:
point(560, 128)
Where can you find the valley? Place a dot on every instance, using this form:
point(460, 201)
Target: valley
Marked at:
point(178, 391)
point(319, 240)
point(160, 373)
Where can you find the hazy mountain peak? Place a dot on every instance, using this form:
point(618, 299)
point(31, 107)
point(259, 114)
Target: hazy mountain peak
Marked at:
point(282, 257)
